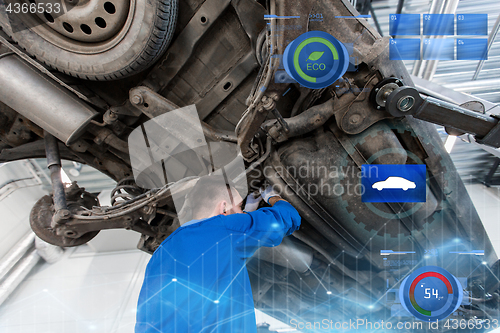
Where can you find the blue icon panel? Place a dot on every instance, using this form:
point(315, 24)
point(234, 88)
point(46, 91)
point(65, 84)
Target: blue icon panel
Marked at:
point(472, 24)
point(439, 24)
point(404, 49)
point(394, 183)
point(472, 49)
point(439, 49)
point(404, 24)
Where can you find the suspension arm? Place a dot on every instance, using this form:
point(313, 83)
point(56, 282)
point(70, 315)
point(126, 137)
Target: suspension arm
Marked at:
point(406, 101)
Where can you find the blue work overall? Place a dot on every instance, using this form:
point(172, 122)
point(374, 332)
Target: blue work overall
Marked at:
point(197, 281)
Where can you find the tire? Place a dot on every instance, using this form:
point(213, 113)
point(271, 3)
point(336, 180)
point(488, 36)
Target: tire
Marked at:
point(144, 37)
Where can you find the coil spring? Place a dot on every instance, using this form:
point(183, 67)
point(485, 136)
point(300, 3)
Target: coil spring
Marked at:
point(125, 190)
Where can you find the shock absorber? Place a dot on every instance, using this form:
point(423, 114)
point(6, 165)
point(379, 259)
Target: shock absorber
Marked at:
point(54, 165)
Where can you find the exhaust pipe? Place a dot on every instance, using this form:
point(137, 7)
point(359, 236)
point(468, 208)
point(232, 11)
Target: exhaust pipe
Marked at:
point(42, 100)
point(288, 254)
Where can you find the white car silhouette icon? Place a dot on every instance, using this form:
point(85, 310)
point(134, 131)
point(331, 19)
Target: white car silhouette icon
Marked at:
point(394, 183)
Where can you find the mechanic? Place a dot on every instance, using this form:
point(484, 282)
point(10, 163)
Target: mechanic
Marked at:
point(197, 281)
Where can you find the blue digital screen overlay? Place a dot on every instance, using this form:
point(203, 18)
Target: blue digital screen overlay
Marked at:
point(439, 49)
point(404, 24)
point(394, 182)
point(316, 59)
point(439, 24)
point(404, 49)
point(472, 24)
point(472, 49)
point(431, 293)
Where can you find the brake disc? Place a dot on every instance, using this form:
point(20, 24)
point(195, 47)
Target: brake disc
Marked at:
point(43, 210)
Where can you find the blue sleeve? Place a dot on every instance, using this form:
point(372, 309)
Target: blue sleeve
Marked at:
point(263, 227)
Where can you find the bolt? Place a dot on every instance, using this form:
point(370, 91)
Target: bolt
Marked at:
point(378, 107)
point(377, 89)
point(355, 119)
point(137, 99)
point(65, 213)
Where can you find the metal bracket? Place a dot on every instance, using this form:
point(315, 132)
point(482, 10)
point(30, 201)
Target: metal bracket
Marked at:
point(182, 48)
point(153, 105)
point(493, 137)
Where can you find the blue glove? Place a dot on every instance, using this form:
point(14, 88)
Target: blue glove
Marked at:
point(268, 193)
point(252, 203)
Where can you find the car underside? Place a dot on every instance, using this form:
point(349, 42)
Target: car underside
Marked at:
point(78, 96)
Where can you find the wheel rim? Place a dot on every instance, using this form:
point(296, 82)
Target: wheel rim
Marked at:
point(87, 26)
point(89, 21)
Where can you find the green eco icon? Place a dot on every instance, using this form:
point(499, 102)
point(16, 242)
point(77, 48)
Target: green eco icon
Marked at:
point(315, 55)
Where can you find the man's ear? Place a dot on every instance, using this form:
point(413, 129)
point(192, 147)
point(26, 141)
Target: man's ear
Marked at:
point(222, 207)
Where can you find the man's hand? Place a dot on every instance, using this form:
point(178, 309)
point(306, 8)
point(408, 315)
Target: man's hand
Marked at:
point(252, 203)
point(275, 199)
point(269, 195)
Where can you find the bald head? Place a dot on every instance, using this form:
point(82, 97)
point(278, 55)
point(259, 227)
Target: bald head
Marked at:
point(211, 196)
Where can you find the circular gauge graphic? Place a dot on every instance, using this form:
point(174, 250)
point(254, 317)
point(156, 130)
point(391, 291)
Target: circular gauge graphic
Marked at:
point(316, 59)
point(431, 293)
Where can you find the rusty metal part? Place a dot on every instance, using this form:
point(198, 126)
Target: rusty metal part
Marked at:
point(316, 215)
point(182, 48)
point(105, 135)
point(76, 228)
point(250, 14)
point(43, 211)
point(93, 99)
point(86, 218)
point(353, 111)
point(255, 164)
point(304, 123)
point(313, 244)
point(54, 165)
point(250, 125)
point(356, 112)
point(47, 104)
point(293, 255)
point(133, 214)
point(154, 105)
point(110, 117)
